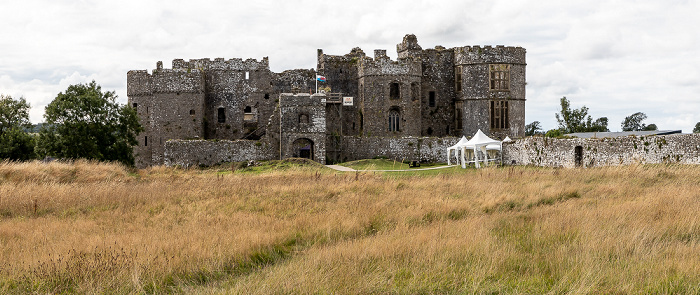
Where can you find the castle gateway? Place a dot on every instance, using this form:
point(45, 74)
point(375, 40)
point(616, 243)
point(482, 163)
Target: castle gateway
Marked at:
point(425, 93)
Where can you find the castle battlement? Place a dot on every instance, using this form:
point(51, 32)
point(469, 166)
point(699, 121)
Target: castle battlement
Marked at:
point(488, 54)
point(233, 64)
point(383, 65)
point(140, 82)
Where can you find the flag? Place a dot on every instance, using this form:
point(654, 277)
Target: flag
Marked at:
point(320, 78)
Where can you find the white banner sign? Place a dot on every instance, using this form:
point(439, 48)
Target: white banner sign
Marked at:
point(347, 100)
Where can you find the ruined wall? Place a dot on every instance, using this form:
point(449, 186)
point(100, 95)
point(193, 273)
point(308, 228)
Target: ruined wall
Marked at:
point(477, 92)
point(377, 102)
point(437, 116)
point(195, 153)
point(541, 151)
point(425, 149)
point(303, 123)
point(170, 104)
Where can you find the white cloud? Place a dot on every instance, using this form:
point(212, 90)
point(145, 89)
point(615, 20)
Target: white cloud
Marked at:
point(616, 57)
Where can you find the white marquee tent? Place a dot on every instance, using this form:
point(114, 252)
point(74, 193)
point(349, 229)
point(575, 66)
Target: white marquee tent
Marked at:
point(480, 142)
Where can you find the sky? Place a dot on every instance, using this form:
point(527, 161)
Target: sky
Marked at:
point(614, 57)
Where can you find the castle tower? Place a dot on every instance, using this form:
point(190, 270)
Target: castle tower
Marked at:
point(170, 105)
point(490, 90)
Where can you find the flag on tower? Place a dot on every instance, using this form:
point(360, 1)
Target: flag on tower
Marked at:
point(320, 78)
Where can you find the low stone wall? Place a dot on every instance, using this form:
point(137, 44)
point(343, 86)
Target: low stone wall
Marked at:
point(189, 153)
point(427, 149)
point(541, 151)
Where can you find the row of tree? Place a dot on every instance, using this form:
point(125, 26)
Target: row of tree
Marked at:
point(577, 120)
point(82, 122)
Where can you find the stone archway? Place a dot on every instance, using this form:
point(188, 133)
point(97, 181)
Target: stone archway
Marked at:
point(303, 148)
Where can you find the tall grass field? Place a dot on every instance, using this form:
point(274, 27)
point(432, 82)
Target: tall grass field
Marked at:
point(297, 228)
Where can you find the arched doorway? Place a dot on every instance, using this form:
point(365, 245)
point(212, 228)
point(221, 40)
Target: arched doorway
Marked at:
point(303, 148)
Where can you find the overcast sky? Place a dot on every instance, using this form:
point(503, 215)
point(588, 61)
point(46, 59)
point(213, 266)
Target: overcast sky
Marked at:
point(615, 57)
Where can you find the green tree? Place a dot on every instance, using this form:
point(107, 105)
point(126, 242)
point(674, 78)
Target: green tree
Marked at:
point(533, 128)
point(577, 120)
point(635, 121)
point(651, 127)
point(15, 142)
point(85, 122)
point(697, 128)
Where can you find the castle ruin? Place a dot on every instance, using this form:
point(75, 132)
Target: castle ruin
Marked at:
point(225, 110)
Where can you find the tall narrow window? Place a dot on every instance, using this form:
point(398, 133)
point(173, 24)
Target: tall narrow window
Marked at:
point(499, 114)
point(499, 77)
point(394, 91)
point(145, 141)
point(394, 118)
point(247, 75)
point(458, 78)
point(458, 115)
point(431, 99)
point(221, 115)
point(136, 107)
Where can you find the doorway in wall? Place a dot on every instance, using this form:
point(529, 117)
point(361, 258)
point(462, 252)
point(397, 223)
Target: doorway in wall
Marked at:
point(303, 148)
point(578, 155)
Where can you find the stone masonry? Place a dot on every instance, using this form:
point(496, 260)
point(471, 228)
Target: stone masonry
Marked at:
point(423, 96)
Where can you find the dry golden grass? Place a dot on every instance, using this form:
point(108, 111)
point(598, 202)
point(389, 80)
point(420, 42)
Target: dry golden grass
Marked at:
point(101, 228)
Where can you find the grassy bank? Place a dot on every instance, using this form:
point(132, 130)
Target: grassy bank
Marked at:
point(102, 228)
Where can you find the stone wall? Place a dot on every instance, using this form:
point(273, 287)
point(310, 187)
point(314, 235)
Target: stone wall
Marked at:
point(195, 153)
point(425, 149)
point(541, 151)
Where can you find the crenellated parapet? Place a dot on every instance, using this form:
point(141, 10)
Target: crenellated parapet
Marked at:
point(469, 55)
point(141, 83)
point(233, 64)
point(383, 65)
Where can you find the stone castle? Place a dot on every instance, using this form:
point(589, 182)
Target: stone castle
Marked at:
point(210, 111)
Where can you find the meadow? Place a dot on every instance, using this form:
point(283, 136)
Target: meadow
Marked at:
point(296, 227)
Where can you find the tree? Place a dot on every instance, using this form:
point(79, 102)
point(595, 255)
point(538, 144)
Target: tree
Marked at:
point(15, 142)
point(85, 122)
point(697, 128)
point(634, 122)
point(533, 128)
point(575, 120)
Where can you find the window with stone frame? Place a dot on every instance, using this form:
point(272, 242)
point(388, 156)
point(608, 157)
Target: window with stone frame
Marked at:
point(394, 119)
point(458, 78)
point(458, 115)
point(394, 91)
point(499, 114)
point(499, 77)
point(431, 99)
point(248, 114)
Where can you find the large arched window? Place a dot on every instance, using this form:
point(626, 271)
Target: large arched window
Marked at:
point(394, 118)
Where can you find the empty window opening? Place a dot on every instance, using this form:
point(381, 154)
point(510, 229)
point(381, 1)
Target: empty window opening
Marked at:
point(458, 78)
point(430, 130)
point(431, 99)
point(394, 118)
point(146, 110)
point(248, 114)
point(578, 155)
point(191, 112)
point(394, 91)
point(145, 141)
point(499, 114)
point(303, 118)
point(500, 77)
point(136, 106)
point(267, 96)
point(458, 115)
point(221, 115)
point(247, 75)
